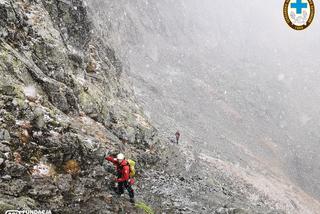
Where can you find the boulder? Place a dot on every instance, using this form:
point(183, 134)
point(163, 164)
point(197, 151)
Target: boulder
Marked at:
point(41, 190)
point(14, 187)
point(38, 120)
point(1, 161)
point(15, 169)
point(4, 147)
point(6, 177)
point(4, 135)
point(64, 182)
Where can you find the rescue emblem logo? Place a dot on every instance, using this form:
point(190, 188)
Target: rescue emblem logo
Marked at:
point(299, 14)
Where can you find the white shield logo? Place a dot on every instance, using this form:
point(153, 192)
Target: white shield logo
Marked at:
point(299, 13)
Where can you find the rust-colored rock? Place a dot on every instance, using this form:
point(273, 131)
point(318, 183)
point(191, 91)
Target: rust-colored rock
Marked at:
point(92, 66)
point(24, 136)
point(17, 157)
point(71, 167)
point(26, 125)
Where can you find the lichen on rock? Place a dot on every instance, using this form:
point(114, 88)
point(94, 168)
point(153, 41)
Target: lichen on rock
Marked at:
point(64, 104)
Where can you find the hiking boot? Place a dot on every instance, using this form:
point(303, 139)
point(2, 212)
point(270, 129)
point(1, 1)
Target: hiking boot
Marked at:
point(132, 201)
point(120, 194)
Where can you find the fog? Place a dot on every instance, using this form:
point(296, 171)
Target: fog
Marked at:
point(231, 75)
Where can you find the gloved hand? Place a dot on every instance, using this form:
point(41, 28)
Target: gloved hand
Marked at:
point(131, 181)
point(106, 154)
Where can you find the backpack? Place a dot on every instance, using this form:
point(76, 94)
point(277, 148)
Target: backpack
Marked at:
point(131, 164)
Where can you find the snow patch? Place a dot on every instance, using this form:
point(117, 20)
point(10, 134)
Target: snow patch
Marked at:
point(30, 91)
point(42, 170)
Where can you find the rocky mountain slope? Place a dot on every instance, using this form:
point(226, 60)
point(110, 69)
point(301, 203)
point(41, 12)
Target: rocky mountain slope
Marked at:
point(66, 102)
point(232, 87)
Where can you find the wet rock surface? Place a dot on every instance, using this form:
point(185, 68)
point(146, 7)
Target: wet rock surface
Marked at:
point(56, 120)
point(59, 166)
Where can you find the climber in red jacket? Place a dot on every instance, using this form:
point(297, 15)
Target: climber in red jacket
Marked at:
point(123, 175)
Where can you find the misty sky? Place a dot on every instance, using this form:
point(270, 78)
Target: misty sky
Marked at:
point(260, 27)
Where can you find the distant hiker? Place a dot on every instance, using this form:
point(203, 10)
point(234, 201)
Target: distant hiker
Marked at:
point(124, 179)
point(177, 136)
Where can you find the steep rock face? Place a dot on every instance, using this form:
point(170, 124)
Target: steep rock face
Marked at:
point(50, 45)
point(64, 103)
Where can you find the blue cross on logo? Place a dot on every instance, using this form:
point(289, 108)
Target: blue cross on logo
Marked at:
point(299, 6)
